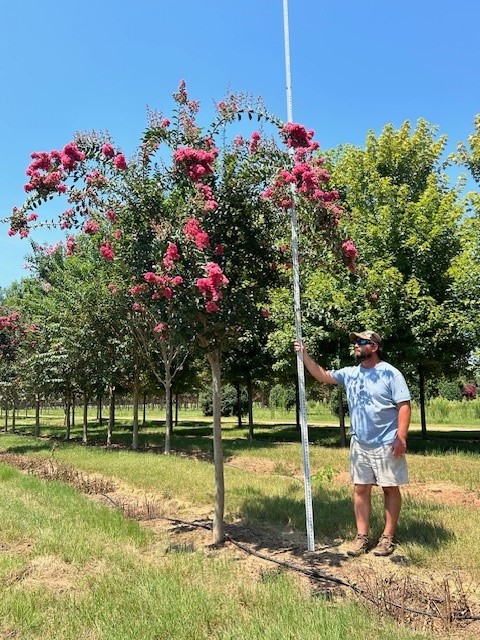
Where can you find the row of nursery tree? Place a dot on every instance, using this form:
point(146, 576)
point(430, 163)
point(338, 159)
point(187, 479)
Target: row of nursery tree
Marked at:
point(181, 256)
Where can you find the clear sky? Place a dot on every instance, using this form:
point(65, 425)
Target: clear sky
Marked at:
point(97, 65)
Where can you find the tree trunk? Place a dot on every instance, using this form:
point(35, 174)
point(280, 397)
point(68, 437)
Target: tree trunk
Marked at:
point(421, 385)
point(14, 409)
point(37, 416)
point(341, 417)
point(239, 404)
point(214, 359)
point(168, 407)
point(136, 405)
point(144, 415)
point(73, 410)
point(85, 418)
point(250, 408)
point(99, 410)
point(68, 407)
point(111, 415)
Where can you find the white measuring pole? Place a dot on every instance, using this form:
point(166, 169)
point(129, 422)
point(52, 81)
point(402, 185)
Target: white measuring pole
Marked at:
point(298, 321)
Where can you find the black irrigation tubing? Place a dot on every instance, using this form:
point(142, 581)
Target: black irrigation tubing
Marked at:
point(311, 573)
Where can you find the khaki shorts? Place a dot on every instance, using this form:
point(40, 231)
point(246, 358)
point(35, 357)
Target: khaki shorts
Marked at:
point(377, 466)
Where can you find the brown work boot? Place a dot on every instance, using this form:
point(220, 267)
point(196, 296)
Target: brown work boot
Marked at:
point(385, 546)
point(359, 546)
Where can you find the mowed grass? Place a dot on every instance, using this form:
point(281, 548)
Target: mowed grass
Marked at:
point(72, 569)
point(114, 579)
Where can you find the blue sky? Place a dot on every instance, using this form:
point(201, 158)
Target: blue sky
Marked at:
point(355, 66)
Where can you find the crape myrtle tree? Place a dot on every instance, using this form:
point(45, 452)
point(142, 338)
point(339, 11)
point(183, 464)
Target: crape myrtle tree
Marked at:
point(11, 335)
point(188, 228)
point(406, 219)
point(94, 332)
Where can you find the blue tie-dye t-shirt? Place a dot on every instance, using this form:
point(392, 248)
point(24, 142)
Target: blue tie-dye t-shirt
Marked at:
point(372, 396)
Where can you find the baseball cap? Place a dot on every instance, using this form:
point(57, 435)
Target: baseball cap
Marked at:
point(366, 335)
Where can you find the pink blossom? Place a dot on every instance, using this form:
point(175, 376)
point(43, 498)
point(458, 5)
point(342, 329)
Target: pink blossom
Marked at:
point(219, 250)
point(96, 179)
point(32, 217)
point(160, 328)
point(136, 306)
point(70, 245)
point(254, 140)
point(211, 307)
point(112, 288)
point(70, 156)
point(120, 162)
point(351, 253)
point(171, 254)
point(153, 278)
point(117, 234)
point(111, 216)
point(52, 180)
point(107, 251)
point(41, 160)
point(295, 135)
point(108, 150)
point(91, 227)
point(137, 289)
point(196, 163)
point(238, 140)
point(165, 123)
point(193, 232)
point(265, 313)
point(210, 286)
point(181, 95)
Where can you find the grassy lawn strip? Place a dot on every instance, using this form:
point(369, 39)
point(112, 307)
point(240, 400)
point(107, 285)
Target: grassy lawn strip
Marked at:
point(73, 569)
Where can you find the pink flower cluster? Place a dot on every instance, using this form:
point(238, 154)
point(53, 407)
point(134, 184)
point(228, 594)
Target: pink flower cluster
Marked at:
point(254, 141)
point(108, 150)
point(206, 199)
point(47, 169)
point(308, 179)
point(70, 246)
point(107, 251)
point(351, 253)
point(120, 162)
point(164, 284)
point(96, 179)
point(193, 231)
point(10, 321)
point(228, 108)
point(196, 163)
point(19, 223)
point(67, 218)
point(297, 137)
point(211, 285)
point(171, 255)
point(91, 227)
point(162, 329)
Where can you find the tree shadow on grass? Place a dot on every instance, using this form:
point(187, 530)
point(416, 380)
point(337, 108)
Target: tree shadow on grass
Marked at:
point(333, 521)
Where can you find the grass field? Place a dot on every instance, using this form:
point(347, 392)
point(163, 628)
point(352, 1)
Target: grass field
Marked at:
point(72, 567)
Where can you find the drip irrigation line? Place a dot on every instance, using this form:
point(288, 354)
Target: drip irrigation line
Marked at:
point(311, 573)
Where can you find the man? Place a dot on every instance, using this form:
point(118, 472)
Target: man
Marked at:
point(379, 404)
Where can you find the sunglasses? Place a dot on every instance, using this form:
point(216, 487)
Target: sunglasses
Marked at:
point(362, 342)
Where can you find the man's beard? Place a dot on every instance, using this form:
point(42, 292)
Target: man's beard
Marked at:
point(361, 356)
